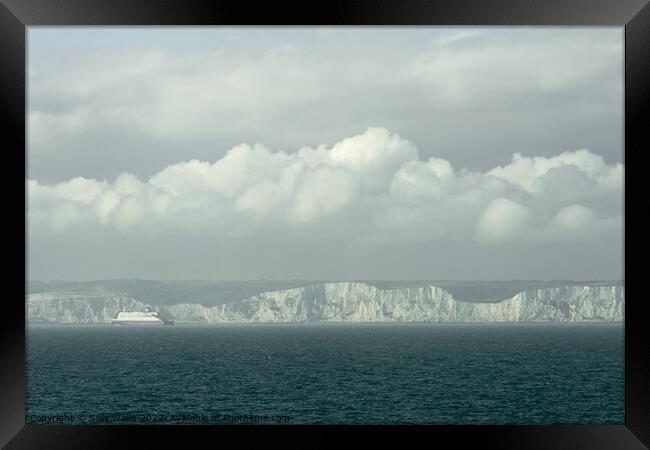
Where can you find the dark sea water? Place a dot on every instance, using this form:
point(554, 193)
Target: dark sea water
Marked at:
point(326, 373)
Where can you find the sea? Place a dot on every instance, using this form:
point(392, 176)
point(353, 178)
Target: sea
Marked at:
point(324, 373)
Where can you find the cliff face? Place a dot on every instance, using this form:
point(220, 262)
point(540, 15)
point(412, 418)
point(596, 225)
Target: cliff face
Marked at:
point(76, 308)
point(352, 302)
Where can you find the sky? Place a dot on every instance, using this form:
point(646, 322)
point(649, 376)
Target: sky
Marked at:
point(336, 153)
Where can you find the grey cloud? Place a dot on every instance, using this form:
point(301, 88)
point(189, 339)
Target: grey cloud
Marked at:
point(137, 166)
point(368, 191)
point(535, 91)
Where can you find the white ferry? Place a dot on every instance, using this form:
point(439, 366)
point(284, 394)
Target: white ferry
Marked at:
point(147, 317)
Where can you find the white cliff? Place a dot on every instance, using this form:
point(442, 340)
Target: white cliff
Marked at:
point(78, 308)
point(353, 302)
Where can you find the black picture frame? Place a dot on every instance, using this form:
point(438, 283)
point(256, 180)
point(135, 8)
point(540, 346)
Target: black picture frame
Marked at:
point(16, 15)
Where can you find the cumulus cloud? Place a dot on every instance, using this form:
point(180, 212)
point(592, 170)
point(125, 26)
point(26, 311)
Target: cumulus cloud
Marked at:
point(238, 153)
point(502, 220)
point(574, 216)
point(373, 186)
point(529, 173)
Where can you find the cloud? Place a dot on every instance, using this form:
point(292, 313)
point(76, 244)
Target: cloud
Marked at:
point(371, 187)
point(236, 153)
point(453, 37)
point(574, 216)
point(196, 94)
point(529, 173)
point(502, 220)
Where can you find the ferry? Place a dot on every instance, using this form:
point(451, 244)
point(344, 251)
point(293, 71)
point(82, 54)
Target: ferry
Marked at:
point(148, 317)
